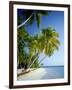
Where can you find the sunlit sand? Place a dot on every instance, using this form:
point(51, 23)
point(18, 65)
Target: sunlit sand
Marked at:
point(43, 73)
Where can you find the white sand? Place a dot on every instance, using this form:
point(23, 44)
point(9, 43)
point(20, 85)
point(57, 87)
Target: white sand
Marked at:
point(33, 75)
point(41, 73)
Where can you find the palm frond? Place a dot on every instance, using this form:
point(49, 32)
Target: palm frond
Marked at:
point(38, 19)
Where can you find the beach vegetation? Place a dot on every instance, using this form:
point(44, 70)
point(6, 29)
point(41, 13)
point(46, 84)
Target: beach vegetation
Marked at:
point(30, 47)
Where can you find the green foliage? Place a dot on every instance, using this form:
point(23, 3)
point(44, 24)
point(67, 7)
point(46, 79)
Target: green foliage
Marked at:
point(29, 47)
point(35, 64)
point(35, 15)
point(19, 18)
point(22, 39)
point(46, 42)
point(51, 42)
point(38, 17)
point(31, 20)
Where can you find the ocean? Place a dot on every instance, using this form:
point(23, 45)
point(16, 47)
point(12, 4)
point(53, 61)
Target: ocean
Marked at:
point(45, 72)
point(53, 72)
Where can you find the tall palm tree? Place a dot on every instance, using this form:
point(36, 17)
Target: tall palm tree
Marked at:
point(30, 16)
point(27, 46)
point(47, 42)
point(50, 41)
point(23, 39)
point(33, 49)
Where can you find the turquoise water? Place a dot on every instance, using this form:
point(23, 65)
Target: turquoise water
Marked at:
point(53, 72)
point(44, 73)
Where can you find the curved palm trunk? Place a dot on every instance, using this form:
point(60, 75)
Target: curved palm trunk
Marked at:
point(42, 59)
point(32, 62)
point(24, 22)
point(35, 60)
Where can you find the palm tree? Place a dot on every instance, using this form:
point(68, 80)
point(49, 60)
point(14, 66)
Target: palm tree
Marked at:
point(33, 50)
point(26, 42)
point(50, 42)
point(47, 42)
point(30, 16)
point(23, 39)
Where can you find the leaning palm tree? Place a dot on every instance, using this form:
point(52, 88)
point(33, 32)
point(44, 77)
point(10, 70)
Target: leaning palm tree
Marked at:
point(27, 46)
point(26, 17)
point(47, 42)
point(33, 50)
point(50, 42)
point(29, 16)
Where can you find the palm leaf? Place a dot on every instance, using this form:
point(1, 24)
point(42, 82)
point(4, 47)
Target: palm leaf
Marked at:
point(38, 19)
point(43, 12)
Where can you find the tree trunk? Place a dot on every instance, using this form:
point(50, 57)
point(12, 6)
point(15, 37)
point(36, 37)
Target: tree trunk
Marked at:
point(24, 22)
point(29, 61)
point(34, 58)
point(32, 62)
point(42, 59)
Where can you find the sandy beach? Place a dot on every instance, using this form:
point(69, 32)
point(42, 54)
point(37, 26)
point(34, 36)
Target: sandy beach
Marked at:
point(43, 73)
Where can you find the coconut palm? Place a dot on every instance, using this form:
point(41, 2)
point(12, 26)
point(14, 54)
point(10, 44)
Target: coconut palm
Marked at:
point(29, 16)
point(50, 42)
point(47, 42)
point(27, 46)
point(23, 39)
point(33, 49)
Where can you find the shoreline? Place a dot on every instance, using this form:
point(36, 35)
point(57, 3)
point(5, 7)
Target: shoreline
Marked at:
point(22, 71)
point(42, 73)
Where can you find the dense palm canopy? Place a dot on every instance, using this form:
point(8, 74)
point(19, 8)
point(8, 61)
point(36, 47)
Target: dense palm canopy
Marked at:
point(50, 40)
point(30, 47)
point(47, 42)
point(22, 40)
point(25, 48)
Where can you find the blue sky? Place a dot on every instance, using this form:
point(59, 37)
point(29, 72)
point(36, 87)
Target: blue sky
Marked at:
point(55, 19)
